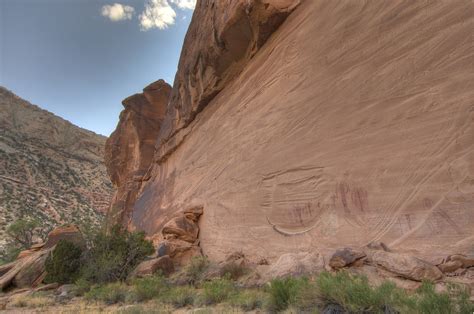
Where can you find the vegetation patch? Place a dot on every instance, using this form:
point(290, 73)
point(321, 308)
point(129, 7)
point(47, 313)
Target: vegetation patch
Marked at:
point(113, 255)
point(111, 293)
point(217, 290)
point(180, 296)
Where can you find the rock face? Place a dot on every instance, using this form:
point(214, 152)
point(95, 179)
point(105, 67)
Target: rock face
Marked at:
point(130, 148)
point(50, 169)
point(223, 36)
point(352, 124)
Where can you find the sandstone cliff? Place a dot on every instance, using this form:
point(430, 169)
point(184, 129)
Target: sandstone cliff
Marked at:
point(350, 123)
point(130, 148)
point(50, 170)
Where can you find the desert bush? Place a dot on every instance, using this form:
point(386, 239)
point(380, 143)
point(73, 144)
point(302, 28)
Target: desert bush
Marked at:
point(355, 294)
point(113, 255)
point(148, 288)
point(63, 264)
point(455, 300)
point(217, 290)
point(248, 300)
point(111, 293)
point(233, 270)
point(283, 292)
point(196, 267)
point(22, 231)
point(10, 253)
point(180, 296)
point(81, 287)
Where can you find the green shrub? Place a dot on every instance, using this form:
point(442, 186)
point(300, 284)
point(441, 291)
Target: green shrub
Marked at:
point(10, 253)
point(112, 256)
point(112, 293)
point(180, 296)
point(455, 300)
point(217, 290)
point(82, 286)
point(196, 268)
point(148, 288)
point(283, 292)
point(62, 265)
point(355, 294)
point(248, 300)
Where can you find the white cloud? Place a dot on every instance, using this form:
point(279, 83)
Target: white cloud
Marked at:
point(118, 12)
point(157, 14)
point(185, 4)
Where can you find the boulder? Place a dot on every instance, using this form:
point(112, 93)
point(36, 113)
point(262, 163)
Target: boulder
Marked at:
point(466, 261)
point(30, 272)
point(296, 264)
point(406, 266)
point(180, 251)
point(150, 267)
point(180, 236)
point(450, 266)
point(345, 257)
point(69, 233)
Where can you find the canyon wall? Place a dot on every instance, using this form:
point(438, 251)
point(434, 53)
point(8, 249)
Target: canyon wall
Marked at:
point(340, 124)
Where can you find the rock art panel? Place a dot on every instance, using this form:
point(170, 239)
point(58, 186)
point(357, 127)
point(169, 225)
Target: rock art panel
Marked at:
point(351, 125)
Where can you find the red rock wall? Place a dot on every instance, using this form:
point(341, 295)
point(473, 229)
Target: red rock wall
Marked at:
point(353, 123)
point(130, 148)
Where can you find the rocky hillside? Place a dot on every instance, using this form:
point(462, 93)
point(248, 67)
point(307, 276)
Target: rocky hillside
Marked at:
point(310, 127)
point(50, 169)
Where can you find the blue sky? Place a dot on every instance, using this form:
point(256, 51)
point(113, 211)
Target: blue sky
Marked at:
point(80, 58)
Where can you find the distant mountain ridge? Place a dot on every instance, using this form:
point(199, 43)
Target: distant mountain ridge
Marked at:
point(50, 169)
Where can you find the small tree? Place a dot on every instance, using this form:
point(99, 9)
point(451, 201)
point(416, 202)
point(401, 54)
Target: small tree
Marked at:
point(22, 232)
point(112, 256)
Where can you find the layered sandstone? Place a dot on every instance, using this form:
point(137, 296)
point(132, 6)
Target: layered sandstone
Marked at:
point(222, 38)
point(129, 149)
point(352, 124)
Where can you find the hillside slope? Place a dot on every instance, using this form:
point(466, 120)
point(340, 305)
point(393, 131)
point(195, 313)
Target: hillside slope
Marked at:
point(50, 169)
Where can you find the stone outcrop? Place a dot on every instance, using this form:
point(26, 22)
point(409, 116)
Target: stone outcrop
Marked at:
point(130, 148)
point(455, 262)
point(345, 257)
point(68, 233)
point(149, 267)
point(296, 264)
point(406, 266)
point(180, 236)
point(351, 125)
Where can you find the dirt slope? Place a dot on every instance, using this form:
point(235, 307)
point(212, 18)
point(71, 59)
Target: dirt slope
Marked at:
point(50, 169)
